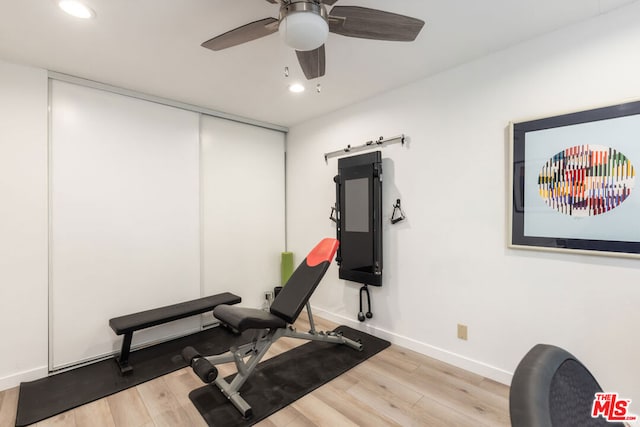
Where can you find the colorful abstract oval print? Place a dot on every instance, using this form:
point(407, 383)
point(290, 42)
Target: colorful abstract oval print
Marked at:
point(586, 180)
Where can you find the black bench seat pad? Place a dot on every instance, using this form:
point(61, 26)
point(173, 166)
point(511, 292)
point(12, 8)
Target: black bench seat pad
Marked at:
point(241, 318)
point(157, 316)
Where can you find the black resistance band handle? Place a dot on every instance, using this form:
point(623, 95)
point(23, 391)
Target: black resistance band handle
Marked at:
point(361, 315)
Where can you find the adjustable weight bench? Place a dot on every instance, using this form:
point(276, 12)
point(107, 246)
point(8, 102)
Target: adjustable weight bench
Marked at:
point(130, 323)
point(269, 326)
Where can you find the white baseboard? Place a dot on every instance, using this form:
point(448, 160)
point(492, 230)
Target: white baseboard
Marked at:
point(443, 355)
point(14, 380)
point(460, 361)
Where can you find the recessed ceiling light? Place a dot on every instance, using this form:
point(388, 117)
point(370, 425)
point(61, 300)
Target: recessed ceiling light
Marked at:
point(296, 88)
point(76, 8)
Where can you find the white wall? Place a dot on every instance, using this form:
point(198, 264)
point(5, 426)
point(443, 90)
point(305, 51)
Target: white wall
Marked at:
point(448, 262)
point(23, 223)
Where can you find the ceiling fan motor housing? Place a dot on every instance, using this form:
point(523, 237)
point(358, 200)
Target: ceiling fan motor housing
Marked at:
point(303, 24)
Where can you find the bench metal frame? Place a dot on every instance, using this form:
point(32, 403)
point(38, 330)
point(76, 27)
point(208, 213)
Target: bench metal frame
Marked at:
point(256, 350)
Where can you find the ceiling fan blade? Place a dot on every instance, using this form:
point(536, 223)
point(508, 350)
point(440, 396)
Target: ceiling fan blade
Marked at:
point(312, 62)
point(243, 34)
point(273, 1)
point(329, 2)
point(365, 23)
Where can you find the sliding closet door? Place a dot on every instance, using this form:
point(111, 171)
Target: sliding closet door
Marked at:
point(124, 225)
point(243, 208)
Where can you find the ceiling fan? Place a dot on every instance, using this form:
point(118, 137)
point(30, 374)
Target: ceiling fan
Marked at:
point(305, 25)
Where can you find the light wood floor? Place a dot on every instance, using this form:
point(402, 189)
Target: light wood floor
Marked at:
point(397, 387)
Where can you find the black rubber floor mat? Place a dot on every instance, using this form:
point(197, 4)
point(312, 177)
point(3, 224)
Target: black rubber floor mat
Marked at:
point(55, 394)
point(279, 381)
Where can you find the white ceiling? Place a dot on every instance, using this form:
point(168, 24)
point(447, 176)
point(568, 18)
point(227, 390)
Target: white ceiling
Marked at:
point(153, 47)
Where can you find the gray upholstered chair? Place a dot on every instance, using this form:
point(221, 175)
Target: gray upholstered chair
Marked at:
point(551, 388)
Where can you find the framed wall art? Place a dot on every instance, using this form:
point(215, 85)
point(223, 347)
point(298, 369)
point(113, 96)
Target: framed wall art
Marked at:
point(573, 182)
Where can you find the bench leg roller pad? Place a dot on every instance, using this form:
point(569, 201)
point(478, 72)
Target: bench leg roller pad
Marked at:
point(205, 370)
point(189, 354)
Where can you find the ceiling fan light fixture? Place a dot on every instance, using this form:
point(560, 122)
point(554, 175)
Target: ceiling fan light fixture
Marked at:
point(76, 8)
point(303, 26)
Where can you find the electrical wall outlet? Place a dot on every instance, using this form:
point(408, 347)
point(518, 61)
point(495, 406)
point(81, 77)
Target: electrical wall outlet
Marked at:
point(462, 331)
point(268, 300)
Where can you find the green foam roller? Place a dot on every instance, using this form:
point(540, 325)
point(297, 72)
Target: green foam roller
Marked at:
point(286, 266)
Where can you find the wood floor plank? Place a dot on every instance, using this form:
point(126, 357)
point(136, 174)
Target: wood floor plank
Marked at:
point(66, 419)
point(383, 403)
point(495, 387)
point(281, 346)
point(427, 412)
point(452, 371)
point(321, 414)
point(301, 421)
point(181, 383)
point(486, 406)
point(225, 370)
point(396, 356)
point(381, 381)
point(128, 409)
point(266, 423)
point(344, 381)
point(162, 405)
point(446, 389)
point(284, 416)
point(354, 409)
point(465, 397)
point(408, 354)
point(94, 414)
point(8, 407)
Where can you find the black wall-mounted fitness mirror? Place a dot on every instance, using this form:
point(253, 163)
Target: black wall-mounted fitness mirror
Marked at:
point(359, 218)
